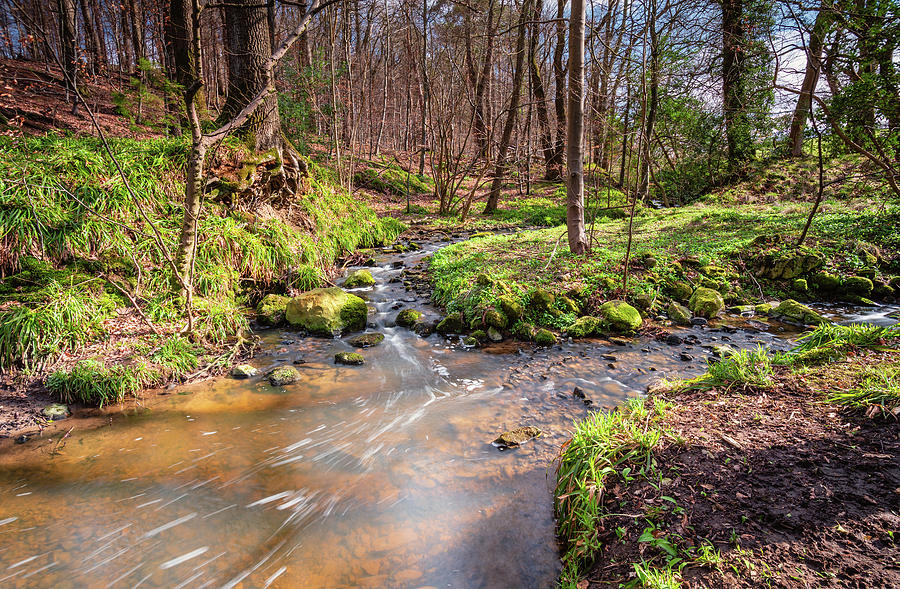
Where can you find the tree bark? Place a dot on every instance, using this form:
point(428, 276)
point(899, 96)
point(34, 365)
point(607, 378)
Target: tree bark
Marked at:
point(509, 126)
point(248, 48)
point(734, 84)
point(67, 41)
point(540, 97)
point(810, 79)
point(559, 101)
point(575, 132)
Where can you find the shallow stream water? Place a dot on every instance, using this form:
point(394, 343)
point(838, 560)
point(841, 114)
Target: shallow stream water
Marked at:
point(381, 475)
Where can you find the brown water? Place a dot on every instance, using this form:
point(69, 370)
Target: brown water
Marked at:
point(375, 476)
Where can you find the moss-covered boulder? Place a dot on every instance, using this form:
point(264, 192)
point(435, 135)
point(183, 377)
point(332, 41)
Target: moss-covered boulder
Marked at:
point(511, 308)
point(793, 311)
point(349, 358)
point(244, 371)
point(569, 306)
point(283, 375)
point(680, 290)
point(882, 290)
point(522, 331)
point(765, 308)
point(713, 271)
point(494, 318)
point(544, 337)
point(789, 266)
point(619, 316)
point(408, 318)
point(583, 326)
point(366, 340)
point(270, 310)
point(494, 334)
point(480, 335)
point(706, 302)
point(679, 314)
point(327, 311)
point(541, 301)
point(857, 285)
point(643, 302)
point(799, 285)
point(826, 282)
point(452, 323)
point(359, 278)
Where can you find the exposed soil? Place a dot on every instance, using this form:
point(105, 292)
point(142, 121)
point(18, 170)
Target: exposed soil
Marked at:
point(794, 491)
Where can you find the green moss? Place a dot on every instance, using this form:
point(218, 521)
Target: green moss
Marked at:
point(679, 314)
point(523, 331)
point(349, 358)
point(359, 278)
point(799, 285)
point(541, 301)
point(283, 375)
point(706, 302)
point(452, 323)
point(480, 335)
point(408, 317)
point(327, 311)
point(366, 340)
point(544, 337)
point(583, 326)
point(797, 312)
point(512, 308)
point(495, 319)
point(270, 310)
point(619, 316)
point(857, 285)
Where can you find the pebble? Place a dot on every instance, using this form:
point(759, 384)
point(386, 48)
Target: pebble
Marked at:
point(609, 357)
point(674, 340)
point(686, 357)
point(700, 321)
point(578, 392)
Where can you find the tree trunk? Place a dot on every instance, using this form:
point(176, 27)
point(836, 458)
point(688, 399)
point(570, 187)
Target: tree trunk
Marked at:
point(652, 106)
point(506, 138)
point(67, 43)
point(426, 90)
point(560, 93)
point(180, 43)
point(734, 84)
point(575, 132)
point(810, 79)
point(480, 129)
point(540, 97)
point(248, 49)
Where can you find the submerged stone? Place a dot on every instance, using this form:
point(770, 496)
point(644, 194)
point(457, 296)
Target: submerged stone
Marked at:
point(270, 310)
point(244, 371)
point(283, 375)
point(327, 311)
point(359, 278)
point(619, 316)
point(55, 411)
point(706, 302)
point(366, 340)
point(349, 358)
point(515, 437)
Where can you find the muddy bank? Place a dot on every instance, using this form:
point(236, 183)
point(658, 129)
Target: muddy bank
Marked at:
point(766, 487)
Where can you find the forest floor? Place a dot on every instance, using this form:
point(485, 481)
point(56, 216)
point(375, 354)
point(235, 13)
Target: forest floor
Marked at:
point(761, 486)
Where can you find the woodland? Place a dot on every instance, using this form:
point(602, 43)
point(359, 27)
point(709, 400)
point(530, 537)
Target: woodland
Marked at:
point(714, 185)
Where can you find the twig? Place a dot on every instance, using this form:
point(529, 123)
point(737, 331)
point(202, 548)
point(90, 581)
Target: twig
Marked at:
point(61, 440)
point(555, 247)
point(133, 303)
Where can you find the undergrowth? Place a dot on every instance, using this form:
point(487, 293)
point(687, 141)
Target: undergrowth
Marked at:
point(743, 368)
point(91, 383)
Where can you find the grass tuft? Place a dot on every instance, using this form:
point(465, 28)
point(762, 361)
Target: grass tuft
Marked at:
point(746, 367)
point(91, 383)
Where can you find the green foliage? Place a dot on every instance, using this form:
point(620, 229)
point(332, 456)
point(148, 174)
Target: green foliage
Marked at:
point(177, 355)
point(877, 386)
point(148, 93)
point(390, 178)
point(91, 383)
point(744, 368)
point(829, 342)
point(605, 448)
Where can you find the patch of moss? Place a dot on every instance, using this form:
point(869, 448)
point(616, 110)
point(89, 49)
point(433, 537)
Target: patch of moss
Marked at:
point(408, 317)
point(583, 326)
point(270, 310)
point(349, 358)
point(619, 317)
point(544, 337)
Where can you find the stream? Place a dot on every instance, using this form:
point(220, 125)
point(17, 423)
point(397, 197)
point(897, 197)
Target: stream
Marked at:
point(381, 475)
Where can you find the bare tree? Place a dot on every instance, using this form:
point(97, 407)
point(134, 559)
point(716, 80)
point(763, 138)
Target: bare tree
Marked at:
point(575, 132)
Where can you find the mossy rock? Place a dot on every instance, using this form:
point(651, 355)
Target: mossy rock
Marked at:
point(882, 289)
point(643, 302)
point(244, 371)
point(480, 335)
point(327, 311)
point(515, 437)
point(283, 375)
point(649, 262)
point(800, 285)
point(679, 314)
point(55, 411)
point(570, 306)
point(894, 283)
point(583, 326)
point(349, 358)
point(826, 282)
point(494, 318)
point(470, 341)
point(765, 308)
point(713, 271)
point(544, 337)
point(706, 302)
point(857, 285)
point(868, 254)
point(511, 308)
point(788, 267)
point(681, 290)
point(270, 310)
point(620, 317)
point(359, 278)
point(541, 301)
point(366, 340)
point(858, 300)
point(494, 335)
point(452, 323)
point(709, 283)
point(408, 318)
point(523, 331)
point(796, 312)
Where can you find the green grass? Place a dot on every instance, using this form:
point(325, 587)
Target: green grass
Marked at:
point(829, 342)
point(390, 178)
point(744, 368)
point(876, 386)
point(177, 355)
point(91, 383)
point(605, 448)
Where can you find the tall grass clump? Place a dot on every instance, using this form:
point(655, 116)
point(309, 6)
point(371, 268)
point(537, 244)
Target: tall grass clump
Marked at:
point(829, 342)
point(743, 368)
point(91, 383)
point(876, 387)
point(605, 448)
point(177, 355)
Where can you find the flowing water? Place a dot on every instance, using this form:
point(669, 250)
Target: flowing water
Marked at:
point(381, 475)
